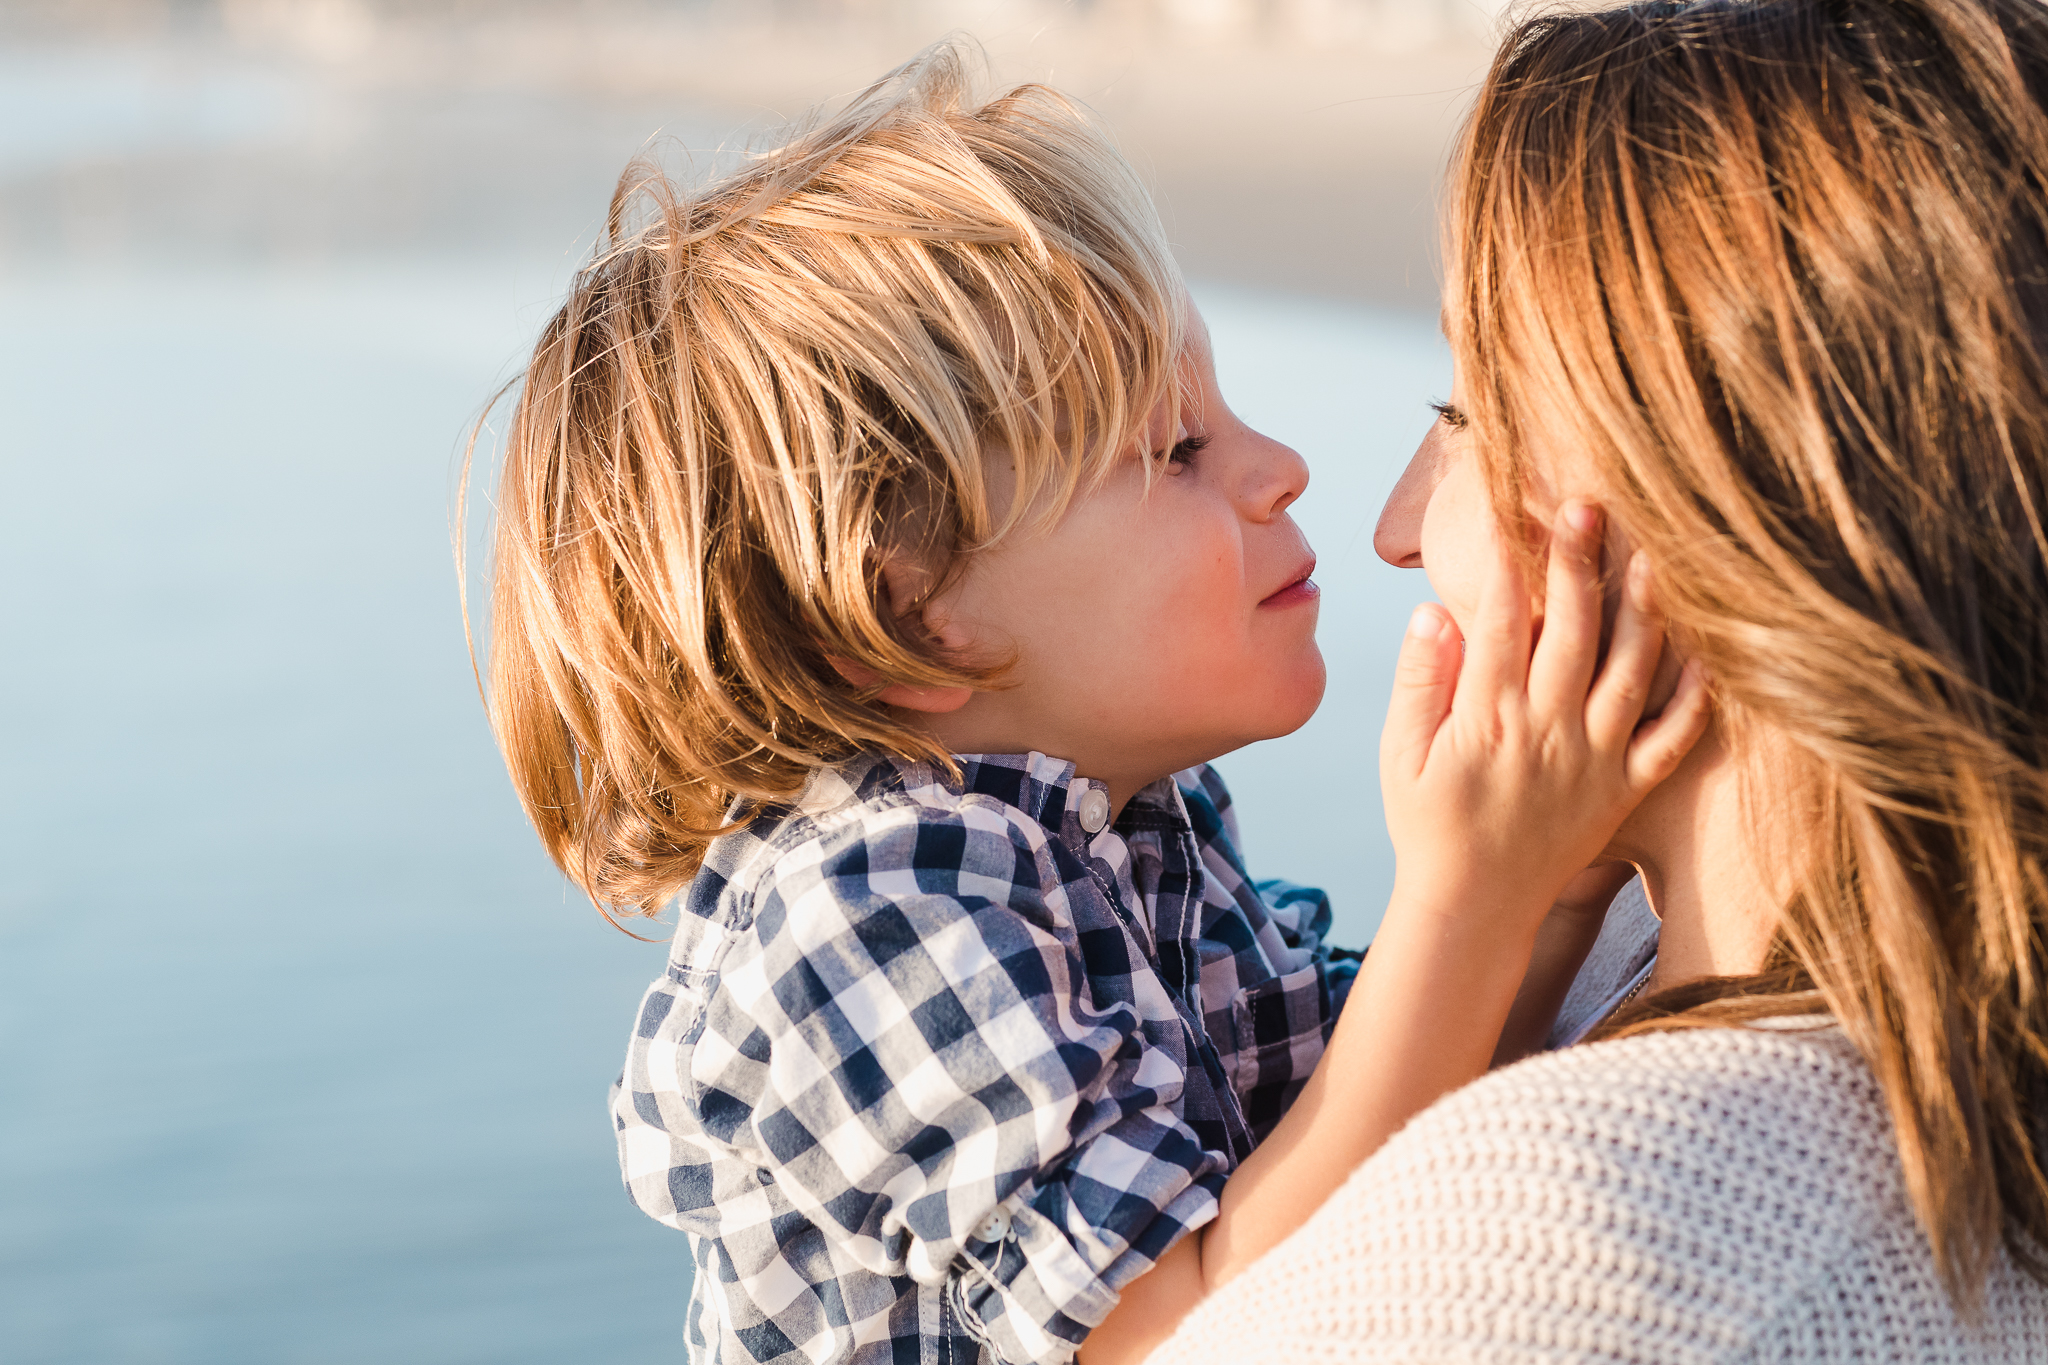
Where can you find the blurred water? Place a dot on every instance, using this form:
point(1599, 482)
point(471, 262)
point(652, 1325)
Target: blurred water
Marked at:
point(1347, 387)
point(303, 1046)
point(57, 107)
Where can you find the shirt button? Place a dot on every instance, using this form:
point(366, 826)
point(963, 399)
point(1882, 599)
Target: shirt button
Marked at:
point(993, 1228)
point(1093, 810)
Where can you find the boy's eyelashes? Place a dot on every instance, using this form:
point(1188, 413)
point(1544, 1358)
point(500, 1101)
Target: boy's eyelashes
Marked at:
point(1451, 415)
point(1182, 452)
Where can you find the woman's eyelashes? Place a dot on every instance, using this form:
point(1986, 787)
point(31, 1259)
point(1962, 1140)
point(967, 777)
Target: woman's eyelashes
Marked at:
point(1450, 415)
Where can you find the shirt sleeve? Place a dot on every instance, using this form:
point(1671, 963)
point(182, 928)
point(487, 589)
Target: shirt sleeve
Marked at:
point(911, 1047)
point(1300, 916)
point(1272, 984)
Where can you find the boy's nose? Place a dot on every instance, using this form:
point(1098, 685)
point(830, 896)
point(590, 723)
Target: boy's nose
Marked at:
point(1282, 475)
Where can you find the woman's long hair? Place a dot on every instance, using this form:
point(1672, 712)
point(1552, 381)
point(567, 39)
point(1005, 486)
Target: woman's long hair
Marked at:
point(1779, 270)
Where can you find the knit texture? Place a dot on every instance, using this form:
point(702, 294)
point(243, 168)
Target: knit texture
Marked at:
point(1678, 1198)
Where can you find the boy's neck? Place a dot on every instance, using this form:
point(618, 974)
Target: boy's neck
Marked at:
point(1120, 794)
point(1125, 774)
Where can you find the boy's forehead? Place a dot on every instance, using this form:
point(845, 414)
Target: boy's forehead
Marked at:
point(1163, 426)
point(1197, 360)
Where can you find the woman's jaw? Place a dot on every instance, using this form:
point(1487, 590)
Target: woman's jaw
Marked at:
point(1691, 838)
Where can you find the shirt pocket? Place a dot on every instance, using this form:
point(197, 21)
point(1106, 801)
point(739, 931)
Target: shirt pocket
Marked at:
point(695, 960)
point(1279, 1025)
point(690, 989)
point(671, 1026)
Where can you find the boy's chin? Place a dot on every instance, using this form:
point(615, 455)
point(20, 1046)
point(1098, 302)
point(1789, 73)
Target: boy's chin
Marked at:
point(1288, 704)
point(1299, 696)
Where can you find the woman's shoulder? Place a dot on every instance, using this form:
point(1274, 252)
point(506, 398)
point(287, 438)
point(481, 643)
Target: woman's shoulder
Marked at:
point(1758, 1098)
point(1652, 1198)
point(1706, 1151)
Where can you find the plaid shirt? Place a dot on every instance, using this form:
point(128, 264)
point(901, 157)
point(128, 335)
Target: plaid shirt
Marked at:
point(935, 1070)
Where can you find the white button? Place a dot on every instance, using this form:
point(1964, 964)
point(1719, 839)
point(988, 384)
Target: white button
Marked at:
point(994, 1228)
point(1093, 812)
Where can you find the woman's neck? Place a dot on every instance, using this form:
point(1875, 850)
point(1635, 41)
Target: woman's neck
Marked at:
point(1695, 845)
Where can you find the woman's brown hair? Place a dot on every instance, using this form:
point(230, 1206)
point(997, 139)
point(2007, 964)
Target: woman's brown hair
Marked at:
point(758, 392)
point(1779, 269)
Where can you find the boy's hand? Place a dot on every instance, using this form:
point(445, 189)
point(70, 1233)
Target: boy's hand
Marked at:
point(1507, 770)
point(1504, 780)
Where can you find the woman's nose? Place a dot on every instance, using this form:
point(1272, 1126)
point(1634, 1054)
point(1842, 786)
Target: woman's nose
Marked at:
point(1398, 537)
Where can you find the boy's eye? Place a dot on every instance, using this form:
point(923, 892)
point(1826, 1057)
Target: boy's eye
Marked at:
point(1181, 454)
point(1451, 416)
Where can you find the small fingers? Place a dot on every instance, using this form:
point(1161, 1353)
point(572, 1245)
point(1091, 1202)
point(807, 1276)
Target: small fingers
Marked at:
point(1663, 742)
point(1562, 667)
point(1623, 687)
point(1425, 682)
point(1497, 654)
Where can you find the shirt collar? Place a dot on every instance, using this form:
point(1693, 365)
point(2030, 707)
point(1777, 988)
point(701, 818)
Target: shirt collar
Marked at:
point(1051, 791)
point(1041, 786)
point(1046, 788)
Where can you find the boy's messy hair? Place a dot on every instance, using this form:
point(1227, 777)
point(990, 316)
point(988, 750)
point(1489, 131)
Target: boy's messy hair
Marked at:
point(758, 390)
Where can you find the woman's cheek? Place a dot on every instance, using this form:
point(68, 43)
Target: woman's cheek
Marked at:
point(1455, 530)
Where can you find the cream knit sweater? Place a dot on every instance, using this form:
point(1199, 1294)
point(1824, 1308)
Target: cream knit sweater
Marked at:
point(1725, 1195)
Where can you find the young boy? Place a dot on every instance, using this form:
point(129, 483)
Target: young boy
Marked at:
point(878, 567)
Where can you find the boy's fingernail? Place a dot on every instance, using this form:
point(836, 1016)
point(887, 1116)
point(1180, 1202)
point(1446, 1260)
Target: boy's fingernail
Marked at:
point(1640, 589)
point(1425, 624)
point(1581, 517)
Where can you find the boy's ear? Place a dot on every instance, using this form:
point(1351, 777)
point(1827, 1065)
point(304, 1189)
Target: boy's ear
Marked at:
point(909, 587)
point(908, 583)
point(935, 700)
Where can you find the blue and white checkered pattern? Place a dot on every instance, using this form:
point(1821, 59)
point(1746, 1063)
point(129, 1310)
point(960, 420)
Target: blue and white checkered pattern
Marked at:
point(934, 1071)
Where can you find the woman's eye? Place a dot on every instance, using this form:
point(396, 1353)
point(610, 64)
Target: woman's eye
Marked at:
point(1181, 454)
point(1450, 415)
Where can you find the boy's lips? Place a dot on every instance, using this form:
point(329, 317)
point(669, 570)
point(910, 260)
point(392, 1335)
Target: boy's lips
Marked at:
point(1301, 588)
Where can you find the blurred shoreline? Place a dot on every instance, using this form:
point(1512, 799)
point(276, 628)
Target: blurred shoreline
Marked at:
point(1293, 145)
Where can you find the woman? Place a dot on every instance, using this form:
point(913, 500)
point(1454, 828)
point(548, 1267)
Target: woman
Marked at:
point(1769, 281)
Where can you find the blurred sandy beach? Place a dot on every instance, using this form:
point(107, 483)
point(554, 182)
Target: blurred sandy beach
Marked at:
point(1293, 144)
point(303, 1044)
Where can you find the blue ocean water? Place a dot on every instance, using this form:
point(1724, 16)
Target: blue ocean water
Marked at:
point(303, 1045)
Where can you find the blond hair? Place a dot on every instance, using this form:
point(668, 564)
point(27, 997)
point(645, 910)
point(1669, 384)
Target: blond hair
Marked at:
point(758, 391)
point(1780, 269)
